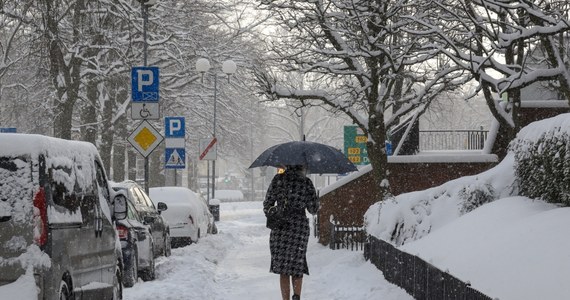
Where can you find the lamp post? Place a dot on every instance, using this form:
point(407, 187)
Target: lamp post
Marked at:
point(228, 67)
point(145, 4)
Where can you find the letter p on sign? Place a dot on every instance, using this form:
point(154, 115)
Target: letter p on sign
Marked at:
point(174, 127)
point(144, 78)
point(145, 84)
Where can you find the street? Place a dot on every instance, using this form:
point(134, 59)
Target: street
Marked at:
point(234, 264)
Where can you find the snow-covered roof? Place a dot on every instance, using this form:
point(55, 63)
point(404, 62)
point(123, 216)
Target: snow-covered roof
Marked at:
point(33, 144)
point(443, 156)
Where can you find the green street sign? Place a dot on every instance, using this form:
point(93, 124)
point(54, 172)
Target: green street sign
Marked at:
point(355, 145)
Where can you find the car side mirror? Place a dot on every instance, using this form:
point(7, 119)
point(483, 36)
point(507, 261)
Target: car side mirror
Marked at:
point(162, 206)
point(120, 207)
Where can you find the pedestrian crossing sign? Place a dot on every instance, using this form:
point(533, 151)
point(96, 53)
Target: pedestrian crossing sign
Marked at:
point(175, 158)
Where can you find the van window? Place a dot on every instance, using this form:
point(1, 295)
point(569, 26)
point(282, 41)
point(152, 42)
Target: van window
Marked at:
point(102, 182)
point(16, 183)
point(63, 188)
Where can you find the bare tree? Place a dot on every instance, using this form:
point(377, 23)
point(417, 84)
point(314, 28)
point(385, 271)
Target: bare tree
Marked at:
point(375, 69)
point(507, 46)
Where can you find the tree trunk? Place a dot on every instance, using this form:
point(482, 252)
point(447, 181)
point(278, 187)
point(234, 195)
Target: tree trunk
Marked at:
point(108, 131)
point(119, 147)
point(132, 158)
point(89, 115)
point(63, 117)
point(156, 171)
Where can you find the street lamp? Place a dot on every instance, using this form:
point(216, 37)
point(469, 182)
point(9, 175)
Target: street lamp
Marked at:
point(228, 67)
point(145, 4)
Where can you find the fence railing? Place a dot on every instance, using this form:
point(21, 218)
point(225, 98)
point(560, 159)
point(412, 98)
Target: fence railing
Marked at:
point(420, 279)
point(349, 237)
point(452, 139)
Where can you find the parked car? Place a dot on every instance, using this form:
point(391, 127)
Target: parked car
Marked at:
point(137, 245)
point(189, 217)
point(57, 217)
point(151, 214)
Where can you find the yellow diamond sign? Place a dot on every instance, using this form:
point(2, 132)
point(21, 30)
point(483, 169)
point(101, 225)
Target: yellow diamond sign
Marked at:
point(145, 138)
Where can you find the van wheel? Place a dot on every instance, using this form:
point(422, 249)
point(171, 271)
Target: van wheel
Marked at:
point(118, 284)
point(131, 273)
point(64, 292)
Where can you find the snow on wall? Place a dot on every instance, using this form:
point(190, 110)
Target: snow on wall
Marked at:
point(410, 216)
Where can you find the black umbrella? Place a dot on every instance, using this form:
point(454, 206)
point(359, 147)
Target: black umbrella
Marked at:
point(319, 158)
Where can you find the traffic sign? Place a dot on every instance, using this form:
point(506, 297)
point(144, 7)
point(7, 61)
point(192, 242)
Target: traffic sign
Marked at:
point(175, 158)
point(355, 145)
point(145, 138)
point(174, 127)
point(144, 84)
point(145, 111)
point(208, 149)
point(175, 152)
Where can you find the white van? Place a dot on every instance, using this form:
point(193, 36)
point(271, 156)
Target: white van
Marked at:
point(56, 221)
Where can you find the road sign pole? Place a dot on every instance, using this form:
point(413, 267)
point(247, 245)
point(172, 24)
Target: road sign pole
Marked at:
point(145, 48)
point(208, 183)
point(214, 161)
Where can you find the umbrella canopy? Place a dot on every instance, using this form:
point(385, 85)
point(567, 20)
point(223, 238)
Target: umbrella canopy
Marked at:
point(319, 158)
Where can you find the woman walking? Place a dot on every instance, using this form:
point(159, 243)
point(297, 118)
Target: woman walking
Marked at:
point(288, 244)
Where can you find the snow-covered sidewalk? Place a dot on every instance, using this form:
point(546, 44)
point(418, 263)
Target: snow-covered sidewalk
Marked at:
point(234, 265)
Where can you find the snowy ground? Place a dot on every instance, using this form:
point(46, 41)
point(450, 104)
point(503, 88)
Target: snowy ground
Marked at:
point(234, 265)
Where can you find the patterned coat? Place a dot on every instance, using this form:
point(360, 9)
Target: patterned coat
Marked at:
point(288, 245)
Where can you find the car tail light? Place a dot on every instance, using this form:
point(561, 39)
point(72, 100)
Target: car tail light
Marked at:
point(123, 232)
point(191, 219)
point(40, 218)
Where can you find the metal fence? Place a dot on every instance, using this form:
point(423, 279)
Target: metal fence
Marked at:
point(452, 139)
point(420, 279)
point(349, 237)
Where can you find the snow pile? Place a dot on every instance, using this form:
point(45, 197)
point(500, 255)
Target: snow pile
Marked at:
point(514, 248)
point(411, 216)
point(507, 246)
point(24, 288)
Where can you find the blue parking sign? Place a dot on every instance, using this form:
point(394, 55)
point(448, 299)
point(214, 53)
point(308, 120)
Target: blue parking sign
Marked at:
point(144, 84)
point(174, 127)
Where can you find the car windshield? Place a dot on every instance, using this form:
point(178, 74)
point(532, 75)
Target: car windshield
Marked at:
point(132, 213)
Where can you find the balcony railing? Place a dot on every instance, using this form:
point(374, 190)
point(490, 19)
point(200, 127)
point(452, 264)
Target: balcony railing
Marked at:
point(452, 139)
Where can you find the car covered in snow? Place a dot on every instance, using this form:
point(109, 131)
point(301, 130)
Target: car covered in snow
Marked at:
point(151, 214)
point(57, 215)
point(188, 215)
point(138, 247)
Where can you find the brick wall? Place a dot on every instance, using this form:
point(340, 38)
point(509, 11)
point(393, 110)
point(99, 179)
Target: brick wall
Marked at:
point(349, 202)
